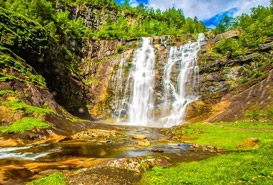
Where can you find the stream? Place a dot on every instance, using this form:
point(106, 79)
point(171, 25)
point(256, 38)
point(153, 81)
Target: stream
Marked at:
point(22, 164)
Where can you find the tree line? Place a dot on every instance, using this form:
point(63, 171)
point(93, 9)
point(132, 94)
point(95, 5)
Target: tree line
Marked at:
point(131, 22)
point(256, 28)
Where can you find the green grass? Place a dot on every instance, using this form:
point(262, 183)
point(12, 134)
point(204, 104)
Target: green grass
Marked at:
point(252, 166)
point(4, 92)
point(19, 65)
point(234, 168)
point(223, 135)
point(17, 105)
point(53, 179)
point(26, 123)
point(248, 125)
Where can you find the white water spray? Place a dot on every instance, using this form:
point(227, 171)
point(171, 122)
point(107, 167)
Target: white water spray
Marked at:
point(118, 91)
point(141, 103)
point(178, 96)
point(180, 81)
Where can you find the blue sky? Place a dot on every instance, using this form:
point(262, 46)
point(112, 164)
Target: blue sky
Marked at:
point(209, 11)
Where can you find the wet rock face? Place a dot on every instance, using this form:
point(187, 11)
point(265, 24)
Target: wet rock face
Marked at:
point(93, 16)
point(223, 81)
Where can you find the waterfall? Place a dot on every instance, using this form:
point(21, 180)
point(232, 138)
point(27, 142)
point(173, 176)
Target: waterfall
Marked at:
point(118, 91)
point(182, 89)
point(141, 104)
point(180, 83)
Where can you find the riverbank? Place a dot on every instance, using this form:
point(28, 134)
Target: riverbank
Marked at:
point(249, 163)
point(203, 153)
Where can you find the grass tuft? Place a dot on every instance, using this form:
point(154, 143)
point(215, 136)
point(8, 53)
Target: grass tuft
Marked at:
point(53, 179)
point(26, 123)
point(17, 105)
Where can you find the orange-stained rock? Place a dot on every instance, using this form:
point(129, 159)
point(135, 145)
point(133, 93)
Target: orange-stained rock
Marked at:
point(139, 137)
point(249, 143)
point(144, 142)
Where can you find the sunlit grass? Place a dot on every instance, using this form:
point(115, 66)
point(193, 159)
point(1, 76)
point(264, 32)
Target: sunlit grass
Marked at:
point(224, 135)
point(241, 167)
point(53, 179)
point(17, 105)
point(26, 123)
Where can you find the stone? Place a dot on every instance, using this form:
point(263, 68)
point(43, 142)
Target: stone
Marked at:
point(266, 46)
point(139, 137)
point(249, 143)
point(144, 142)
point(158, 150)
point(250, 57)
point(91, 134)
point(162, 140)
point(105, 141)
point(228, 34)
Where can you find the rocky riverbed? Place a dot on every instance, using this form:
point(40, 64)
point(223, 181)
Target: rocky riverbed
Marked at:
point(108, 155)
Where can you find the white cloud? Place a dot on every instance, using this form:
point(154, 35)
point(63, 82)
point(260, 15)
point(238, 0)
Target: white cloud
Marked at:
point(204, 9)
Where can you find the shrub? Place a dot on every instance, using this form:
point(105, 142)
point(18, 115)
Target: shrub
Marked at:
point(26, 123)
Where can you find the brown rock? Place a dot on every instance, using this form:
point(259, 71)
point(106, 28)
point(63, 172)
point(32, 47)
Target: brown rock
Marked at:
point(249, 143)
point(228, 34)
point(144, 142)
point(139, 137)
point(162, 140)
point(158, 149)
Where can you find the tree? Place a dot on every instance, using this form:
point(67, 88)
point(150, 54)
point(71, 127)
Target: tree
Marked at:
point(224, 25)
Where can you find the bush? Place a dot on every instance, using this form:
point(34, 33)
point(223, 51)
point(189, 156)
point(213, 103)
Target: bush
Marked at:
point(53, 179)
point(25, 123)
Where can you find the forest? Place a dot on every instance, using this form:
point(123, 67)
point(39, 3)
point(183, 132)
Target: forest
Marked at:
point(129, 22)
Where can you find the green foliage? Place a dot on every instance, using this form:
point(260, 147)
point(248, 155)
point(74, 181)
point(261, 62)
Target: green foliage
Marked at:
point(149, 22)
point(130, 23)
point(9, 92)
point(255, 28)
point(269, 114)
point(53, 179)
point(18, 65)
point(217, 134)
point(19, 33)
point(228, 47)
point(17, 105)
point(260, 115)
point(235, 168)
point(253, 115)
point(26, 123)
point(224, 25)
point(248, 167)
point(72, 28)
point(120, 48)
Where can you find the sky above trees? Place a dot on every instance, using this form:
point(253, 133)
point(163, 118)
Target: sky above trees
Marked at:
point(209, 11)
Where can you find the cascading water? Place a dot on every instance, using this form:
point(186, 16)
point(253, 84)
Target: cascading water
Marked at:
point(118, 78)
point(178, 96)
point(141, 104)
point(180, 81)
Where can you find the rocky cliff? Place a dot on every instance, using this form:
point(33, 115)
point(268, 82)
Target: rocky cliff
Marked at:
point(78, 74)
point(234, 87)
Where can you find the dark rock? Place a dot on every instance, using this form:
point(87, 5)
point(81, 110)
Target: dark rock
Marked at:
point(266, 46)
point(157, 149)
point(248, 58)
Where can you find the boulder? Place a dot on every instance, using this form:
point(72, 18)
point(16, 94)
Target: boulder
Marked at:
point(139, 137)
point(144, 142)
point(228, 34)
point(266, 46)
point(249, 143)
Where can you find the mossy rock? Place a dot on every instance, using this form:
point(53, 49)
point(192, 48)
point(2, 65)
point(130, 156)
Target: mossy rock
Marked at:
point(23, 36)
